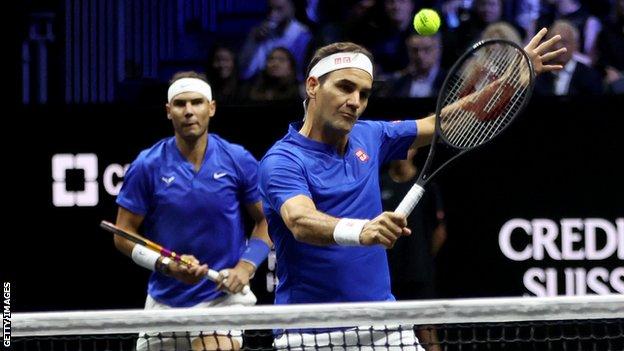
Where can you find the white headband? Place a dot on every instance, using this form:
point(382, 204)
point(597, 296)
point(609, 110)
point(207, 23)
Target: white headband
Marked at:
point(184, 85)
point(342, 60)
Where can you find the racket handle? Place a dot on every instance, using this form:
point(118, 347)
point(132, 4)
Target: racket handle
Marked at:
point(214, 275)
point(410, 200)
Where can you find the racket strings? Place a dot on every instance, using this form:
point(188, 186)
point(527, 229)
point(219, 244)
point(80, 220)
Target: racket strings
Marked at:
point(513, 89)
point(484, 95)
point(475, 74)
point(474, 122)
point(465, 123)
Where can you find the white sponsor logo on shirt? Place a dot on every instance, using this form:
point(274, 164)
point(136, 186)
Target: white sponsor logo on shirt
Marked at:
point(169, 180)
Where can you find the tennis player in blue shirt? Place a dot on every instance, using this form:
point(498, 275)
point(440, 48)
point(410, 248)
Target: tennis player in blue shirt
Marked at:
point(320, 189)
point(321, 196)
point(189, 193)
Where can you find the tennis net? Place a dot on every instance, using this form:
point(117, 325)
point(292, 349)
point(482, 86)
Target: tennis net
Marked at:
point(556, 323)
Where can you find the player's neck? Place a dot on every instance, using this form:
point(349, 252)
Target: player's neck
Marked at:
point(316, 132)
point(193, 149)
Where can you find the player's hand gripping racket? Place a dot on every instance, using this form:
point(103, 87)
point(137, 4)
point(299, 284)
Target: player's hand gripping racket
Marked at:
point(212, 274)
point(485, 90)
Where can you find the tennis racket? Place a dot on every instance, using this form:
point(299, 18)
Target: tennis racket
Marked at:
point(137, 239)
point(485, 90)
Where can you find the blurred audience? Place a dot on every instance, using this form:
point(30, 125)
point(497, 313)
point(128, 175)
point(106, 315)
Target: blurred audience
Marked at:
point(611, 49)
point(454, 12)
point(501, 30)
point(587, 25)
point(385, 35)
point(575, 78)
point(278, 29)
point(222, 74)
point(423, 76)
point(353, 17)
point(277, 81)
point(482, 14)
point(525, 13)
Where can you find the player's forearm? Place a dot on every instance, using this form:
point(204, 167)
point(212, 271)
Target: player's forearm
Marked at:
point(311, 226)
point(130, 222)
point(124, 246)
point(426, 128)
point(261, 231)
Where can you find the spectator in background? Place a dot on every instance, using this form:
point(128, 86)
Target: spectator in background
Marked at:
point(356, 14)
point(611, 49)
point(316, 13)
point(525, 15)
point(588, 26)
point(454, 12)
point(483, 13)
point(501, 30)
point(385, 36)
point(423, 76)
point(575, 78)
point(279, 29)
point(277, 81)
point(223, 74)
point(411, 260)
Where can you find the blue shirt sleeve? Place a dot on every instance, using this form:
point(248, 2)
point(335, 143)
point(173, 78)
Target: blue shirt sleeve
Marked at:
point(137, 189)
point(248, 173)
point(396, 138)
point(281, 178)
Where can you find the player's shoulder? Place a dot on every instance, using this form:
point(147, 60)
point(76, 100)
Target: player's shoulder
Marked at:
point(283, 146)
point(367, 127)
point(282, 151)
point(153, 155)
point(235, 151)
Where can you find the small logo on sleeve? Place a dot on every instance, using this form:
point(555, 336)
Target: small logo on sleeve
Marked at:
point(217, 175)
point(362, 155)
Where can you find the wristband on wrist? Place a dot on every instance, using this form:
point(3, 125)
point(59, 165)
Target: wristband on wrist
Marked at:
point(256, 252)
point(347, 231)
point(144, 257)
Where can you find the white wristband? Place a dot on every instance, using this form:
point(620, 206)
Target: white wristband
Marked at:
point(347, 231)
point(144, 257)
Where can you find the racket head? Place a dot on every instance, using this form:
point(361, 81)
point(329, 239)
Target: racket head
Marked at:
point(495, 78)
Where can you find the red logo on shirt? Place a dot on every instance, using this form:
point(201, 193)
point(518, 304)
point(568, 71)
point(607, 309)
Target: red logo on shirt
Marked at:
point(361, 154)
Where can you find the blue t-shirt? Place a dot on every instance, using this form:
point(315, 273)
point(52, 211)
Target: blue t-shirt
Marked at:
point(189, 212)
point(340, 186)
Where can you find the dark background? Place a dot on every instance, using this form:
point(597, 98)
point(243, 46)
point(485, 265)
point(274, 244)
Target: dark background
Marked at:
point(561, 159)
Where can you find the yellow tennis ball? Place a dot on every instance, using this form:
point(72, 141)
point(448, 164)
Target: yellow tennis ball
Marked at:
point(426, 22)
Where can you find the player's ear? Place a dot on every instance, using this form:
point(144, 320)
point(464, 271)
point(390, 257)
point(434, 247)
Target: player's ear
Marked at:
point(312, 85)
point(213, 108)
point(168, 107)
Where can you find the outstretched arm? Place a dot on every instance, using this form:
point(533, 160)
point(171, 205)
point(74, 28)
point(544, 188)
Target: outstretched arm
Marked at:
point(539, 54)
point(315, 227)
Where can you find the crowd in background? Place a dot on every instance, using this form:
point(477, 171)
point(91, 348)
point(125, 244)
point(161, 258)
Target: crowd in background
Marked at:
point(270, 64)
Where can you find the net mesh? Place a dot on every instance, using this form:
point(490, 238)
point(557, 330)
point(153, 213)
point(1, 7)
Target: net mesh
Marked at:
point(562, 323)
point(484, 95)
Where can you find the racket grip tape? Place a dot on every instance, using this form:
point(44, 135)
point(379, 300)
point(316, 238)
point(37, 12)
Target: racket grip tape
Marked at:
point(214, 275)
point(410, 200)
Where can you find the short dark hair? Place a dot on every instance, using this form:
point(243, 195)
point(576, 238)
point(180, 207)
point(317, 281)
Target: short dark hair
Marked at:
point(331, 49)
point(187, 74)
